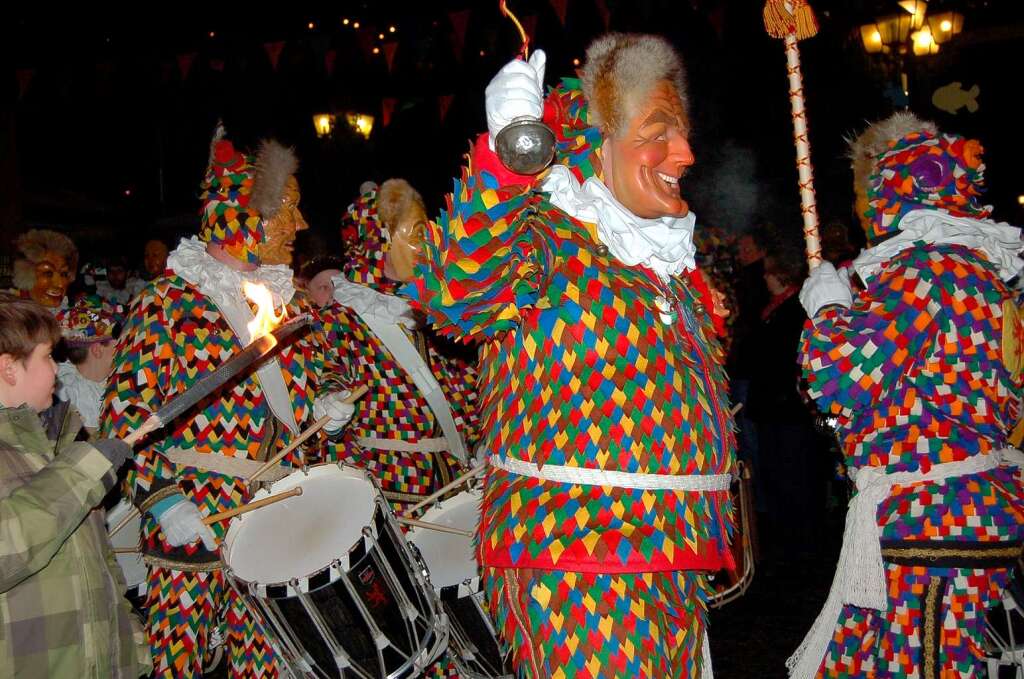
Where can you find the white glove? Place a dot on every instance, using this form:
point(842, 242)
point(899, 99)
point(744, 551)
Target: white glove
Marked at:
point(517, 90)
point(333, 405)
point(825, 286)
point(182, 524)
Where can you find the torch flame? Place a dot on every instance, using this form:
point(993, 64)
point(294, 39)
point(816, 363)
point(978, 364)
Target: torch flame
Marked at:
point(266, 320)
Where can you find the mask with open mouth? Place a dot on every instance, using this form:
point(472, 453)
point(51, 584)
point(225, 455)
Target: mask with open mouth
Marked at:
point(644, 161)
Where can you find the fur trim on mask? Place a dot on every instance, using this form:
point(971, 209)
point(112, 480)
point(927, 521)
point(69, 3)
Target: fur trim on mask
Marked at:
point(274, 164)
point(32, 245)
point(395, 198)
point(876, 140)
point(621, 69)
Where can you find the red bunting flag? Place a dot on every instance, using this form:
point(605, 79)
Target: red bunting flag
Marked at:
point(24, 76)
point(444, 102)
point(330, 57)
point(217, 65)
point(560, 7)
point(389, 53)
point(185, 64)
point(460, 21)
point(387, 108)
point(606, 14)
point(273, 50)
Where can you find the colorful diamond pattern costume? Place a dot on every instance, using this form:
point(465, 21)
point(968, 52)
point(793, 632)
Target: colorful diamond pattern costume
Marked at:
point(917, 376)
point(583, 364)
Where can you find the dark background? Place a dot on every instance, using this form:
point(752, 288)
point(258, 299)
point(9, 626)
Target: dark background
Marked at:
point(105, 116)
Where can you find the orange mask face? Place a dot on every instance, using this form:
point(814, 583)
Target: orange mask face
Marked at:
point(644, 162)
point(279, 244)
point(53, 276)
point(406, 244)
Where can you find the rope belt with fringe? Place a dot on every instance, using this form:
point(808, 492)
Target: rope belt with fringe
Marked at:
point(599, 477)
point(860, 573)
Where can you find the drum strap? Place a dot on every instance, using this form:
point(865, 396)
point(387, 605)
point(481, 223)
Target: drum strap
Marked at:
point(425, 445)
point(228, 466)
point(599, 477)
point(860, 573)
point(392, 335)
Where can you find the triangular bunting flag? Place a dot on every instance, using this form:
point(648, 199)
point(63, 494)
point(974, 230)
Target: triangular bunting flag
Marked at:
point(330, 56)
point(24, 76)
point(460, 21)
point(560, 7)
point(389, 53)
point(606, 14)
point(274, 50)
point(217, 65)
point(185, 64)
point(387, 108)
point(443, 103)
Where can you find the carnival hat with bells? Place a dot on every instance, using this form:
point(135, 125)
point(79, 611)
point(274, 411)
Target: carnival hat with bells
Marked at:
point(906, 164)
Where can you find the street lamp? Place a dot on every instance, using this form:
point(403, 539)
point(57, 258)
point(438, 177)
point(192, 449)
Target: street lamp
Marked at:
point(945, 25)
point(324, 124)
point(361, 123)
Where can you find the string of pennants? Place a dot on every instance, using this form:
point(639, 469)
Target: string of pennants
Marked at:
point(459, 20)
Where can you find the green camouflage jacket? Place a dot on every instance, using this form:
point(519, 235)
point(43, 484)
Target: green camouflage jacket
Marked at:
point(62, 606)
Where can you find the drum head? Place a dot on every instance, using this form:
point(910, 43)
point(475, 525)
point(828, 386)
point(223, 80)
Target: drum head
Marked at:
point(128, 537)
point(450, 558)
point(300, 535)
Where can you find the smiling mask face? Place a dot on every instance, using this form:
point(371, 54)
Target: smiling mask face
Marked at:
point(644, 162)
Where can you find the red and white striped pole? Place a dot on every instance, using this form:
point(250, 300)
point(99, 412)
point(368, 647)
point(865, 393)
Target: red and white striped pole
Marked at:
point(792, 21)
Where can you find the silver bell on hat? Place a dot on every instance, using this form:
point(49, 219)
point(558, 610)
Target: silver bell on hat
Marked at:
point(526, 145)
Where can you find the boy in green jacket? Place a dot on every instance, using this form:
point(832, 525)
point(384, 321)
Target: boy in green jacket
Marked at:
point(62, 606)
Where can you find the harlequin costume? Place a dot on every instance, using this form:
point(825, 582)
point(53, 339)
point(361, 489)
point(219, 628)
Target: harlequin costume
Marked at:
point(180, 328)
point(603, 413)
point(395, 432)
point(923, 372)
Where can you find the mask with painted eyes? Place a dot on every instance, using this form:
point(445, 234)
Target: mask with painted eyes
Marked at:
point(643, 163)
point(278, 246)
point(406, 236)
point(53, 276)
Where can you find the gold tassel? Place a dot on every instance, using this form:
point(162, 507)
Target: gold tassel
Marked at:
point(806, 23)
point(779, 22)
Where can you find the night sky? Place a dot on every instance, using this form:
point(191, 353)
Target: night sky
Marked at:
point(106, 116)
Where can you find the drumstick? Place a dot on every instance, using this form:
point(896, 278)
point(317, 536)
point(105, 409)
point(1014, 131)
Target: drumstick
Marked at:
point(736, 408)
point(434, 526)
point(313, 428)
point(457, 482)
point(303, 437)
point(249, 506)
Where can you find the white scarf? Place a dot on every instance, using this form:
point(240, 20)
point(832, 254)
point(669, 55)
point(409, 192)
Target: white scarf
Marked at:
point(999, 242)
point(664, 245)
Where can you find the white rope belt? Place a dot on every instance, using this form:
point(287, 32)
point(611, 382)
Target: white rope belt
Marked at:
point(600, 477)
point(860, 573)
point(426, 445)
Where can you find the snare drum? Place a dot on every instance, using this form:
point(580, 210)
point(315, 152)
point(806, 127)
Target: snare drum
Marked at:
point(730, 585)
point(454, 573)
point(329, 572)
point(134, 569)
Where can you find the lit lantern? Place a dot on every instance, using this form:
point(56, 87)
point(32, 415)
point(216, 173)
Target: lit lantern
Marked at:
point(361, 123)
point(324, 124)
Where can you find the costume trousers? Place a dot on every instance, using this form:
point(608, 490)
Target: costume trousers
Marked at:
point(933, 628)
point(184, 610)
point(599, 626)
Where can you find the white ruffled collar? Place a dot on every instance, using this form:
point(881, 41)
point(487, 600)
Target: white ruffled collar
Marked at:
point(998, 242)
point(217, 280)
point(366, 301)
point(664, 245)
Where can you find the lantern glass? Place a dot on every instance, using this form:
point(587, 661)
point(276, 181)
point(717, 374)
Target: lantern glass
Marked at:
point(324, 124)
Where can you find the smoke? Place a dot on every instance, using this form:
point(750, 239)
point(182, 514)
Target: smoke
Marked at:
point(723, 188)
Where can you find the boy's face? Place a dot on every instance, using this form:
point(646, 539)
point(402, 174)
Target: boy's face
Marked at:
point(29, 381)
point(320, 287)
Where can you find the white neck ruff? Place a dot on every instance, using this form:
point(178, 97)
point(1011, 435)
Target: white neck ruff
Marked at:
point(664, 245)
point(218, 281)
point(366, 301)
point(998, 242)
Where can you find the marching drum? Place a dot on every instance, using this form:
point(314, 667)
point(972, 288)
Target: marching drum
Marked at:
point(329, 573)
point(730, 585)
point(131, 564)
point(454, 575)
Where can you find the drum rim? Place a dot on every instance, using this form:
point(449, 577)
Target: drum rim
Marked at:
point(284, 589)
